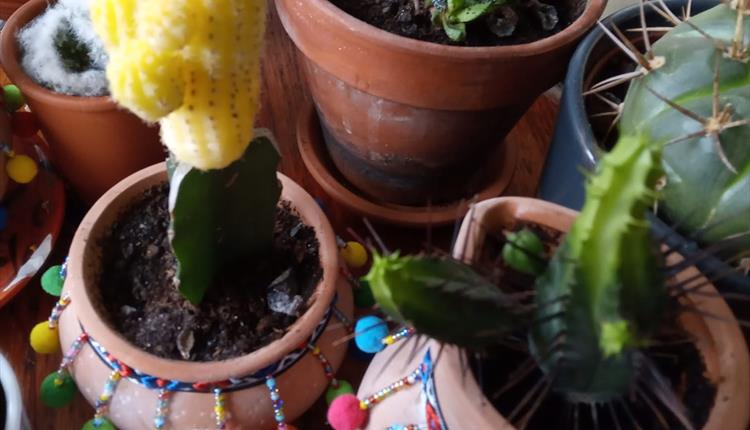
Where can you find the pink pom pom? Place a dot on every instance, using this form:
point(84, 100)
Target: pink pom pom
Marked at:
point(345, 413)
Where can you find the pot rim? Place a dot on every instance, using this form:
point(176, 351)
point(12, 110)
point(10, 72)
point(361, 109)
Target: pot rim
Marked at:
point(9, 58)
point(580, 25)
point(726, 341)
point(82, 267)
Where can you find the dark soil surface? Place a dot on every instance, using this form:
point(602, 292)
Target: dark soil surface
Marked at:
point(139, 297)
point(676, 359)
point(403, 18)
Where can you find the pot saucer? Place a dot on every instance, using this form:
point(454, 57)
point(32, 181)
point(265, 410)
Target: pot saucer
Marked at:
point(319, 164)
point(35, 213)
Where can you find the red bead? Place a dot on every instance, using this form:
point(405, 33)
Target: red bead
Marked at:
point(161, 383)
point(201, 386)
point(24, 124)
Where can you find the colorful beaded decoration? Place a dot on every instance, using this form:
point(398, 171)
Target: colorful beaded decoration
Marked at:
point(219, 409)
point(403, 383)
point(102, 403)
point(162, 409)
point(60, 306)
point(406, 427)
point(404, 333)
point(278, 403)
point(72, 353)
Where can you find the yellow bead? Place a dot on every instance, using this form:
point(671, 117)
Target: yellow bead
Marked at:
point(43, 339)
point(354, 254)
point(21, 168)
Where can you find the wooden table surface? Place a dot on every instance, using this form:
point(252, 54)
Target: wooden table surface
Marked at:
point(285, 96)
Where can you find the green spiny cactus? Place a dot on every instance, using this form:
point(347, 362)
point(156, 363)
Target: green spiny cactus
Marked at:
point(443, 298)
point(707, 159)
point(604, 295)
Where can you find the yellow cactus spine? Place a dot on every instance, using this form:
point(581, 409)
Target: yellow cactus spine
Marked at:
point(191, 65)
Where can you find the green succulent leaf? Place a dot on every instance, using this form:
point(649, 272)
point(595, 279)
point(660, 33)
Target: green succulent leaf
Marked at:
point(223, 217)
point(456, 32)
point(474, 11)
point(524, 252)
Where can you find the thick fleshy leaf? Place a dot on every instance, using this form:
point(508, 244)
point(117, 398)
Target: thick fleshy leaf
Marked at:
point(223, 217)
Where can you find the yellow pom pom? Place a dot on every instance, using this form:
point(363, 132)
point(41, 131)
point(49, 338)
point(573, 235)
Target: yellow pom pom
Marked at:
point(21, 168)
point(141, 85)
point(43, 339)
point(354, 254)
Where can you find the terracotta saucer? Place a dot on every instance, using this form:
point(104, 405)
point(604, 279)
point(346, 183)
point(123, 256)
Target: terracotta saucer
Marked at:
point(320, 166)
point(35, 214)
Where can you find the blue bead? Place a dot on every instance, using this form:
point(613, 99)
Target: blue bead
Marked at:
point(274, 396)
point(159, 422)
point(370, 333)
point(280, 417)
point(271, 383)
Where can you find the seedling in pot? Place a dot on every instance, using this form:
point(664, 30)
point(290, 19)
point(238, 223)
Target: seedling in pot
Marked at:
point(500, 16)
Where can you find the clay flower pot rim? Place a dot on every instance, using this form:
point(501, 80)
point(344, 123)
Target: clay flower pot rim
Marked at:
point(592, 11)
point(84, 246)
point(726, 348)
point(9, 57)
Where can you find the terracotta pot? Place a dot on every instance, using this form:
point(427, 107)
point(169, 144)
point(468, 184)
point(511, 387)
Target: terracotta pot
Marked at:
point(408, 121)
point(463, 405)
point(133, 405)
point(95, 143)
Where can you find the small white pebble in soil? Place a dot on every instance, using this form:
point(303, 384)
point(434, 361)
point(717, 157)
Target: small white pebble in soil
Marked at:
point(40, 57)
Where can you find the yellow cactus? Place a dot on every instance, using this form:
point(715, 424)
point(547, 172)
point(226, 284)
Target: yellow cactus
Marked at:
point(191, 65)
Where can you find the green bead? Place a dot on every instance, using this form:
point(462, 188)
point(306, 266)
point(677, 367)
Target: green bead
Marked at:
point(13, 98)
point(103, 425)
point(363, 297)
point(57, 395)
point(52, 282)
point(343, 388)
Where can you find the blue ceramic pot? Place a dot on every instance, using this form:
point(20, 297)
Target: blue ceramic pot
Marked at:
point(575, 146)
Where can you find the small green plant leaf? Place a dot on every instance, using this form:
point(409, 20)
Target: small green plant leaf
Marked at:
point(223, 217)
point(456, 32)
point(454, 5)
point(470, 13)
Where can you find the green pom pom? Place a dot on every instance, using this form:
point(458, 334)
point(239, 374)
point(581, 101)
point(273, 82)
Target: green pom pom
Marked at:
point(363, 297)
point(52, 282)
point(57, 390)
point(13, 98)
point(343, 388)
point(525, 252)
point(98, 424)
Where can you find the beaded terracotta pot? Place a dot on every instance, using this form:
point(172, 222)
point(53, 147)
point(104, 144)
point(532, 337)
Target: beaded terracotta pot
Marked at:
point(450, 397)
point(186, 392)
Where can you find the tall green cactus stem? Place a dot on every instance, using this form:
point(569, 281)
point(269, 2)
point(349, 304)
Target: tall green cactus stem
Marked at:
point(605, 281)
point(443, 298)
point(223, 218)
point(707, 159)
